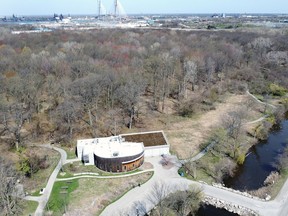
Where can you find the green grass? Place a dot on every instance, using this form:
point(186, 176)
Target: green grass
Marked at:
point(36, 193)
point(29, 207)
point(59, 200)
point(201, 175)
point(70, 151)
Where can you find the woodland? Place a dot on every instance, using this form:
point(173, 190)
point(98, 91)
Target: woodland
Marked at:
point(62, 85)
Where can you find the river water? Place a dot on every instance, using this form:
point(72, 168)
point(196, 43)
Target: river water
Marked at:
point(260, 160)
point(258, 165)
point(208, 210)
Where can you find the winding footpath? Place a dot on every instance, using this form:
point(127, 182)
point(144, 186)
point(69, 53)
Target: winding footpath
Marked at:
point(43, 199)
point(169, 176)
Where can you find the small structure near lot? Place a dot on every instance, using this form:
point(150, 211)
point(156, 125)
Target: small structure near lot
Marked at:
point(122, 153)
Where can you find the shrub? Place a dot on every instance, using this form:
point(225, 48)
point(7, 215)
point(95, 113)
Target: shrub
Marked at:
point(277, 90)
point(241, 159)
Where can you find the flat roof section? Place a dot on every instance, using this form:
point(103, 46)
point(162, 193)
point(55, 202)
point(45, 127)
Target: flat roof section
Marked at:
point(148, 139)
point(111, 147)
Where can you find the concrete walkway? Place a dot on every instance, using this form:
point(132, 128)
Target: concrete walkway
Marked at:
point(128, 202)
point(105, 177)
point(279, 206)
point(43, 199)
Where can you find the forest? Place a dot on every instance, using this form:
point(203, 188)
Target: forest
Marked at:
point(63, 85)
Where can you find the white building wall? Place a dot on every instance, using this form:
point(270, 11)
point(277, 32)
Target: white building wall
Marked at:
point(80, 151)
point(156, 151)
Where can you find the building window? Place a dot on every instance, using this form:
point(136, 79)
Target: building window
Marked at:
point(124, 168)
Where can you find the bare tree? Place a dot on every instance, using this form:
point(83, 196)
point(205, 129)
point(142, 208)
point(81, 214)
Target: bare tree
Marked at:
point(159, 192)
point(129, 94)
point(10, 203)
point(152, 67)
point(190, 75)
point(233, 123)
point(138, 209)
point(67, 114)
point(13, 119)
point(88, 90)
point(186, 202)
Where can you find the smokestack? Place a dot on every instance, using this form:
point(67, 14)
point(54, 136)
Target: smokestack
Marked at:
point(99, 8)
point(115, 7)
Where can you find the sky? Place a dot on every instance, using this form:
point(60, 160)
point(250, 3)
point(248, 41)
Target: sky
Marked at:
point(49, 7)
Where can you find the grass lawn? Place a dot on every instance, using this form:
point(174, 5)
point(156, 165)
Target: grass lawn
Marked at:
point(60, 196)
point(70, 151)
point(90, 196)
point(29, 207)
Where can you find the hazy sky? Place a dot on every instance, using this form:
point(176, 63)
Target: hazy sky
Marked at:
point(47, 7)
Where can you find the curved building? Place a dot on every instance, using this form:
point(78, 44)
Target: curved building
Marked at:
point(112, 154)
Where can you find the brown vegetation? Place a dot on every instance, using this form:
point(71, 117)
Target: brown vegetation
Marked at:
point(63, 85)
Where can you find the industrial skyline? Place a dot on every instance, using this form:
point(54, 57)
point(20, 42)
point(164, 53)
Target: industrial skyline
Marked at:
point(43, 7)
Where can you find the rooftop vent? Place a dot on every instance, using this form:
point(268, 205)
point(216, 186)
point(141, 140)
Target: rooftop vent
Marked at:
point(115, 154)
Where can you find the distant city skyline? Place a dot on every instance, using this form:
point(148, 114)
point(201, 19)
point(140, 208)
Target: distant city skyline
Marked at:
point(49, 7)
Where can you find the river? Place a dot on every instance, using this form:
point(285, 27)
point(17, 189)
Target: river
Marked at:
point(260, 160)
point(258, 164)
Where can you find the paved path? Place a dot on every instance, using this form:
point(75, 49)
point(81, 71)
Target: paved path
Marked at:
point(43, 199)
point(261, 102)
point(171, 177)
point(127, 203)
point(276, 207)
point(71, 160)
point(104, 177)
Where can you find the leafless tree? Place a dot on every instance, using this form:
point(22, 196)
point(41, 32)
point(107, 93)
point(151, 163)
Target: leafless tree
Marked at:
point(13, 119)
point(185, 202)
point(159, 192)
point(138, 209)
point(88, 90)
point(10, 203)
point(233, 123)
point(152, 67)
point(67, 114)
point(190, 75)
point(129, 95)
